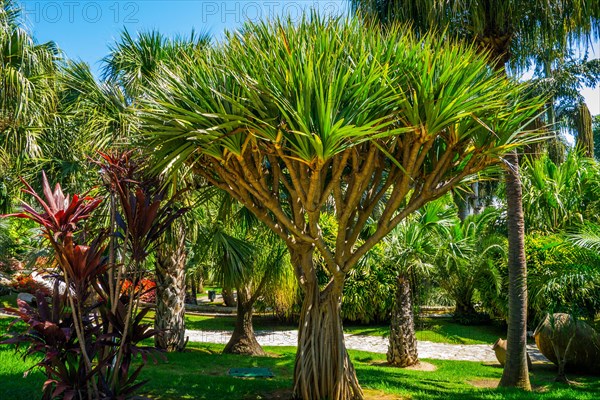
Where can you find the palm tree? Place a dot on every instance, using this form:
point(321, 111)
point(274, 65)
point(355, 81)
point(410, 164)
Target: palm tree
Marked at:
point(240, 253)
point(410, 250)
point(170, 290)
point(563, 79)
point(27, 96)
point(294, 119)
point(559, 197)
point(131, 65)
point(508, 32)
point(467, 259)
point(133, 62)
point(583, 126)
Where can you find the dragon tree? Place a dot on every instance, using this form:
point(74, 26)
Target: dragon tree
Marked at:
point(295, 120)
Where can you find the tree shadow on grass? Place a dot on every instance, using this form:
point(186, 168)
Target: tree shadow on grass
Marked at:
point(201, 373)
point(13, 385)
point(455, 380)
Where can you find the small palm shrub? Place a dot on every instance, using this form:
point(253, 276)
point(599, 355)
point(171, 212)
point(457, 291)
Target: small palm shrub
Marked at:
point(562, 277)
point(467, 263)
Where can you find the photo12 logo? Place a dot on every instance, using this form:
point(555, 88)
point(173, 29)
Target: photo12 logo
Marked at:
point(240, 11)
point(118, 12)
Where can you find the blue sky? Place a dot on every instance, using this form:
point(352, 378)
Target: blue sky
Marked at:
point(85, 28)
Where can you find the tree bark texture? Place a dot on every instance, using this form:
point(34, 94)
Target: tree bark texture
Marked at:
point(243, 340)
point(170, 292)
point(323, 369)
point(402, 351)
point(515, 373)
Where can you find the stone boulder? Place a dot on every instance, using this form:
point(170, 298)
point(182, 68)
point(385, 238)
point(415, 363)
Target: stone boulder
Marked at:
point(5, 284)
point(561, 331)
point(27, 298)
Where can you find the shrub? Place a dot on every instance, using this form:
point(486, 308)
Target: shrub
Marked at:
point(145, 288)
point(561, 277)
point(25, 283)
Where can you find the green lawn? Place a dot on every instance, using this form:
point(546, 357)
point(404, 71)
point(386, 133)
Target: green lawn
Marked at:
point(438, 330)
point(201, 373)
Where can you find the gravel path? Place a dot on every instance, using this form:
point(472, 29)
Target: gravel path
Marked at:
point(375, 344)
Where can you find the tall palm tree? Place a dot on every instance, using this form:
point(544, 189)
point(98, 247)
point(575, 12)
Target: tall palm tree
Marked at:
point(294, 119)
point(508, 32)
point(170, 290)
point(133, 62)
point(411, 249)
point(563, 79)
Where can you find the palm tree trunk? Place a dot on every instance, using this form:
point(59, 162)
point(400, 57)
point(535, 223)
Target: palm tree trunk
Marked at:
point(243, 340)
point(194, 292)
point(170, 292)
point(200, 283)
point(585, 133)
point(323, 369)
point(465, 313)
point(516, 372)
point(228, 297)
point(402, 351)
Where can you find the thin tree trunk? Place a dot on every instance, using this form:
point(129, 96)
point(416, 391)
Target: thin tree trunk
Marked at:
point(585, 133)
point(228, 297)
point(200, 282)
point(170, 291)
point(194, 291)
point(243, 340)
point(462, 204)
point(402, 351)
point(515, 372)
point(323, 369)
point(465, 313)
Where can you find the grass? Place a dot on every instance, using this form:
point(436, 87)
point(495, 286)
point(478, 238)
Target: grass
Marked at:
point(439, 330)
point(201, 373)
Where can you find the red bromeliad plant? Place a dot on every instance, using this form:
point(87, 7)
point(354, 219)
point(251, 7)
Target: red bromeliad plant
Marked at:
point(89, 333)
point(143, 219)
point(145, 216)
point(60, 213)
